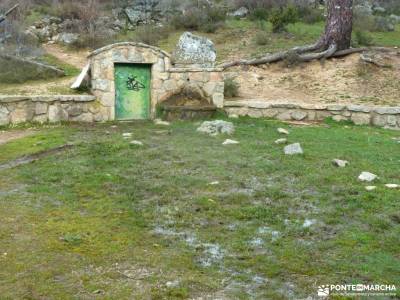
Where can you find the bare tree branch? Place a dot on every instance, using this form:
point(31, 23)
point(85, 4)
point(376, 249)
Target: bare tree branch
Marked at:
point(3, 17)
point(273, 57)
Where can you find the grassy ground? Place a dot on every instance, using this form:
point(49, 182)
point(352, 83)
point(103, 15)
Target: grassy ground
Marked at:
point(108, 220)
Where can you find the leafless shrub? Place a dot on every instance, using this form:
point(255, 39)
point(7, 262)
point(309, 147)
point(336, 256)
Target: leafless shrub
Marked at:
point(13, 39)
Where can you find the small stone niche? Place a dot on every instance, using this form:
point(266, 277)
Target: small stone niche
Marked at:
point(186, 104)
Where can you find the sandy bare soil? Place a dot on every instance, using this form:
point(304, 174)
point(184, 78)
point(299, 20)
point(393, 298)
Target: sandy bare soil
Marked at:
point(77, 59)
point(7, 136)
point(345, 80)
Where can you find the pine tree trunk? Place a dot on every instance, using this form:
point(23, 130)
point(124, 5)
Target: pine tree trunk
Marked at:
point(339, 24)
point(335, 41)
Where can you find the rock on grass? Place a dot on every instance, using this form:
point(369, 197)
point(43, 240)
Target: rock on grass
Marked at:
point(340, 163)
point(230, 142)
point(127, 134)
point(281, 141)
point(370, 188)
point(216, 127)
point(392, 186)
point(367, 177)
point(161, 122)
point(137, 143)
point(282, 131)
point(293, 149)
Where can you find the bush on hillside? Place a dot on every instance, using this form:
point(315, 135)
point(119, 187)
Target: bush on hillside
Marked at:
point(282, 17)
point(151, 34)
point(372, 23)
point(203, 18)
point(262, 38)
point(266, 4)
point(231, 88)
point(362, 38)
point(310, 15)
point(259, 13)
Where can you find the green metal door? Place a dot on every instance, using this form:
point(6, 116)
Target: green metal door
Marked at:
point(132, 91)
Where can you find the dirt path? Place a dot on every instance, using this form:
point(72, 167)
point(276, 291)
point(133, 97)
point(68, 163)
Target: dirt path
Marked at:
point(7, 136)
point(77, 58)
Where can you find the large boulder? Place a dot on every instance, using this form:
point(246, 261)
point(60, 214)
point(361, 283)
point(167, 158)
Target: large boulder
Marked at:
point(240, 13)
point(364, 9)
point(67, 38)
point(143, 11)
point(395, 19)
point(216, 127)
point(384, 24)
point(135, 16)
point(195, 50)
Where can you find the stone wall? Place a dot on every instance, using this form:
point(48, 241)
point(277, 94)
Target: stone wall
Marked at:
point(165, 79)
point(388, 117)
point(20, 109)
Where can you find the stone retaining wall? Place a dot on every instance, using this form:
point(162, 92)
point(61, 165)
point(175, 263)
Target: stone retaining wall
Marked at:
point(388, 117)
point(79, 108)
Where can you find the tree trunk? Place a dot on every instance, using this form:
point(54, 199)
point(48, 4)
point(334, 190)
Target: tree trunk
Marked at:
point(339, 24)
point(334, 42)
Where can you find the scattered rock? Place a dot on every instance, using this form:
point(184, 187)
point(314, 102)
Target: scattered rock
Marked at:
point(395, 18)
point(230, 142)
point(307, 223)
point(161, 122)
point(142, 11)
point(275, 235)
point(135, 17)
point(194, 49)
point(370, 188)
point(216, 127)
point(127, 135)
point(299, 115)
point(340, 163)
point(233, 116)
point(213, 253)
point(339, 118)
point(67, 38)
point(138, 143)
point(384, 24)
point(256, 242)
point(392, 186)
point(282, 131)
point(214, 183)
point(281, 141)
point(172, 284)
point(367, 176)
point(293, 149)
point(239, 13)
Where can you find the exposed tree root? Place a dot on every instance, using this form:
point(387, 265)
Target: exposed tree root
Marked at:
point(271, 58)
point(318, 55)
point(303, 54)
point(373, 61)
